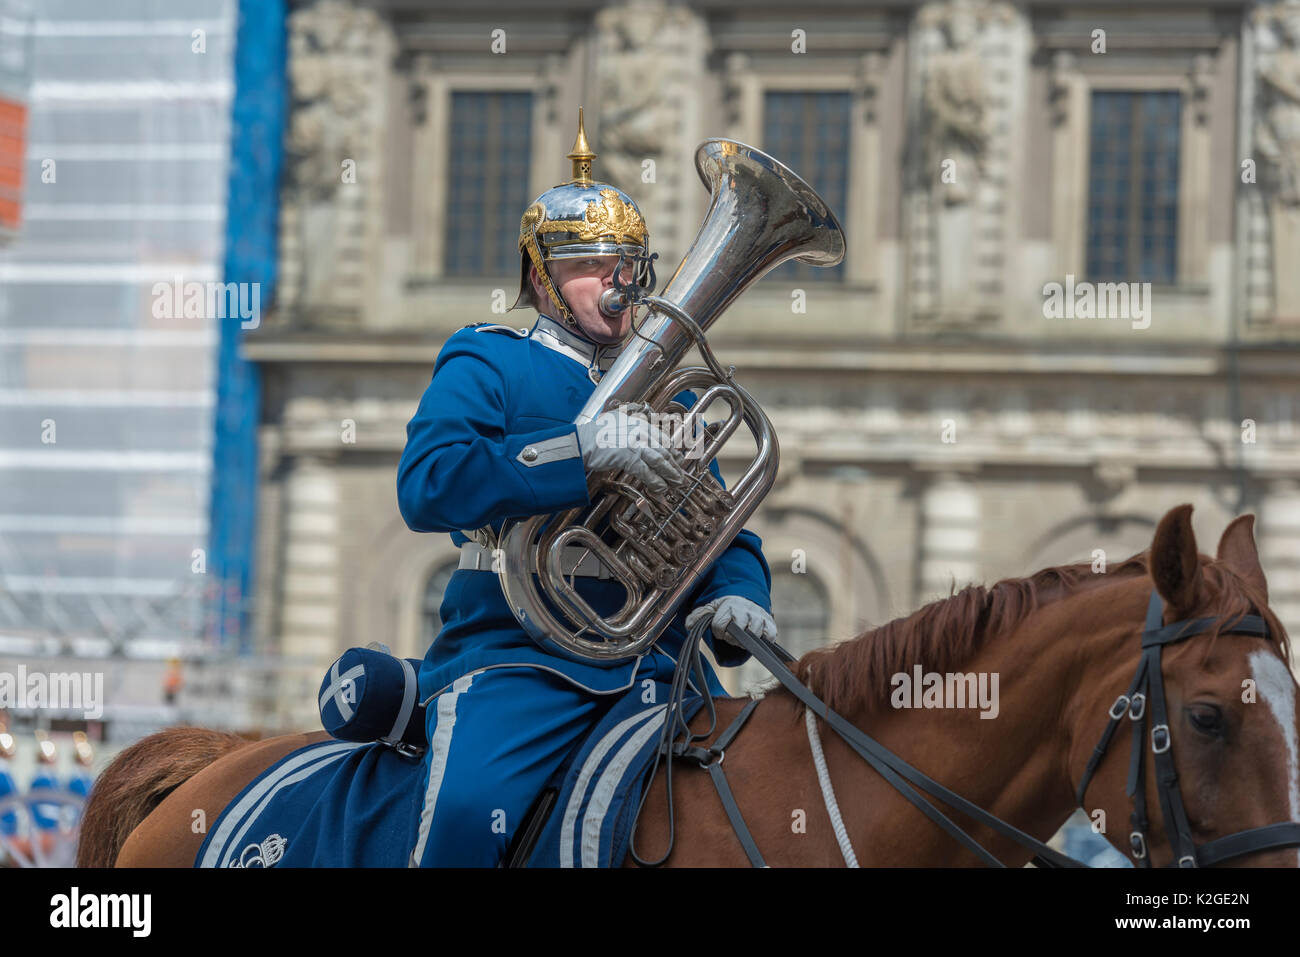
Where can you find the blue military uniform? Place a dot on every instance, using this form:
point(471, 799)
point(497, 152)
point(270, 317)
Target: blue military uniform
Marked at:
point(502, 712)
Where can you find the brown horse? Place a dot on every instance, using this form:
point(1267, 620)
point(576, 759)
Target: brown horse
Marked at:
point(1063, 644)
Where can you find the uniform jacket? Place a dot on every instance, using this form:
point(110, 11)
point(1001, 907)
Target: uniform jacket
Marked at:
point(495, 390)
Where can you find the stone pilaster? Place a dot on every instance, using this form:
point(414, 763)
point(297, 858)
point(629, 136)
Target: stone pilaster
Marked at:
point(1278, 538)
point(949, 553)
point(309, 594)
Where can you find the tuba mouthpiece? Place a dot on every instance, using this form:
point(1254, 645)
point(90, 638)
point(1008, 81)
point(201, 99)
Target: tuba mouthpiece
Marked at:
point(612, 302)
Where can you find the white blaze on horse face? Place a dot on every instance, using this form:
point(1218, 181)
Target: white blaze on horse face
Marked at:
point(1277, 689)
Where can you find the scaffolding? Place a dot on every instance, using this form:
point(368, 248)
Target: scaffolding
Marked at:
point(107, 397)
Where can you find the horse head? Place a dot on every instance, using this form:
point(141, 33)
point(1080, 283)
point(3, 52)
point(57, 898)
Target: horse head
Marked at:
point(1211, 729)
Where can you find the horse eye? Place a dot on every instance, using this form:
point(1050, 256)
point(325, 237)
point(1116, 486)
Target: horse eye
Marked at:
point(1207, 719)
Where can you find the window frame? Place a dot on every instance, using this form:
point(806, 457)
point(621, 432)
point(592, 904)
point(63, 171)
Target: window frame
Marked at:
point(1071, 164)
point(448, 224)
point(431, 167)
point(840, 89)
point(860, 216)
point(1133, 231)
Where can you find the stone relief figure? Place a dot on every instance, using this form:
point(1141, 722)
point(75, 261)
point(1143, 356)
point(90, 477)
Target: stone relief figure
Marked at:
point(635, 122)
point(327, 112)
point(644, 55)
point(953, 115)
point(954, 102)
point(1277, 139)
point(1277, 125)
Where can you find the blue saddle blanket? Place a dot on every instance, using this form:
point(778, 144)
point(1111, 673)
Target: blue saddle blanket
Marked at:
point(601, 786)
point(332, 804)
point(342, 804)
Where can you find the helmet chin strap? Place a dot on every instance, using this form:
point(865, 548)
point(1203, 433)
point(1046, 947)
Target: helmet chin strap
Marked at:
point(576, 327)
point(567, 315)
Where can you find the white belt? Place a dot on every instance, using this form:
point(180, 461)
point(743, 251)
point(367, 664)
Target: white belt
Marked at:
point(477, 558)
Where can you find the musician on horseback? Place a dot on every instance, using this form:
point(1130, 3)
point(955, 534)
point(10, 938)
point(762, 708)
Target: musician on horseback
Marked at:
point(494, 438)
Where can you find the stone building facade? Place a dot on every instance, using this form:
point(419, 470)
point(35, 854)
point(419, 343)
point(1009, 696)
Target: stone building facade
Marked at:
point(943, 418)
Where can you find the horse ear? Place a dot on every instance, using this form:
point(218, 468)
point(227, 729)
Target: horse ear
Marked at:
point(1237, 551)
point(1175, 564)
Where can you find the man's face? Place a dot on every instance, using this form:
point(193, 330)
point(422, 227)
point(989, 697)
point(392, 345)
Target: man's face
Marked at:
point(580, 282)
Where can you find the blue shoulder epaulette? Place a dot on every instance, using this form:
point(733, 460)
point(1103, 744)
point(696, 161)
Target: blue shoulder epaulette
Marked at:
point(520, 333)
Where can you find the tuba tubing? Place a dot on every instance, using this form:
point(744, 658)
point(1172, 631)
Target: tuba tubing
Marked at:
point(761, 215)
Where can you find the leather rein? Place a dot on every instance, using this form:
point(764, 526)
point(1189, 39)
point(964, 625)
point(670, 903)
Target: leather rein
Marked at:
point(1145, 696)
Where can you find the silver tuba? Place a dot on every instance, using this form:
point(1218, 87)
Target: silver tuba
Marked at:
point(658, 547)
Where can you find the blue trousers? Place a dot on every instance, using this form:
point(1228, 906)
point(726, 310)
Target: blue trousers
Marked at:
point(495, 739)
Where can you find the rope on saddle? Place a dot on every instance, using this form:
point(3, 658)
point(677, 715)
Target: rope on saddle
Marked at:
point(828, 792)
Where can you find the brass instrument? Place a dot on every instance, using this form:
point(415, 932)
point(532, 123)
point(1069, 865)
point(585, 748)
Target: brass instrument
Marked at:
point(658, 547)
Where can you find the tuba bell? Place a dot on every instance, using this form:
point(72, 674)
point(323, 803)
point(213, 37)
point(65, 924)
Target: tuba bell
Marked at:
point(658, 547)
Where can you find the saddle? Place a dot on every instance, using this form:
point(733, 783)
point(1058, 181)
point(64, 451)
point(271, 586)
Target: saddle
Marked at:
point(356, 801)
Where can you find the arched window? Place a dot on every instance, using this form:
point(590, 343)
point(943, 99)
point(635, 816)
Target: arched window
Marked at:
point(801, 607)
point(430, 619)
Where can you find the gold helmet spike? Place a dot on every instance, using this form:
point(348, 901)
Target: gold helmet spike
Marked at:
point(581, 155)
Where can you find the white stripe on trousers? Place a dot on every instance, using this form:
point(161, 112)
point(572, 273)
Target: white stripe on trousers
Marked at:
point(439, 746)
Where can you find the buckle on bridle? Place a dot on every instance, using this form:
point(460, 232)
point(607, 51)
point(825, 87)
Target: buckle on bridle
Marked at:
point(1138, 843)
point(1159, 734)
point(1119, 707)
point(715, 756)
point(1138, 707)
point(1187, 861)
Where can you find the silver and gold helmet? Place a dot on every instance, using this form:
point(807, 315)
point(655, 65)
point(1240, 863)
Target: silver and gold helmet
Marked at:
point(573, 220)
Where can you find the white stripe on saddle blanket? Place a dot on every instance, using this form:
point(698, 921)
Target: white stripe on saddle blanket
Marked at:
point(608, 781)
point(226, 840)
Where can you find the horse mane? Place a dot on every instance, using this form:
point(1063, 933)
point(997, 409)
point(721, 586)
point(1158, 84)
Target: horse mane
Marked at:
point(945, 634)
point(137, 780)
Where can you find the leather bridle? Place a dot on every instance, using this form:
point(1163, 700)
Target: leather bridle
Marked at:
point(1146, 695)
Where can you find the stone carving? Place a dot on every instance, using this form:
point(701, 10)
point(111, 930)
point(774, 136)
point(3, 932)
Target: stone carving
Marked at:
point(329, 75)
point(1277, 139)
point(1277, 114)
point(635, 120)
point(1063, 67)
point(954, 99)
point(956, 189)
point(649, 62)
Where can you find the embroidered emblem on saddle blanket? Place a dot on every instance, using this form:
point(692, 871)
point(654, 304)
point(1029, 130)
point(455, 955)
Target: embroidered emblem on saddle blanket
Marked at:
point(332, 804)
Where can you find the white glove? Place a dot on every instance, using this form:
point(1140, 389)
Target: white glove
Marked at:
point(616, 441)
point(749, 616)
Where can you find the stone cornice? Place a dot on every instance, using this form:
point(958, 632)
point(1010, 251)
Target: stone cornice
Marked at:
point(1055, 357)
